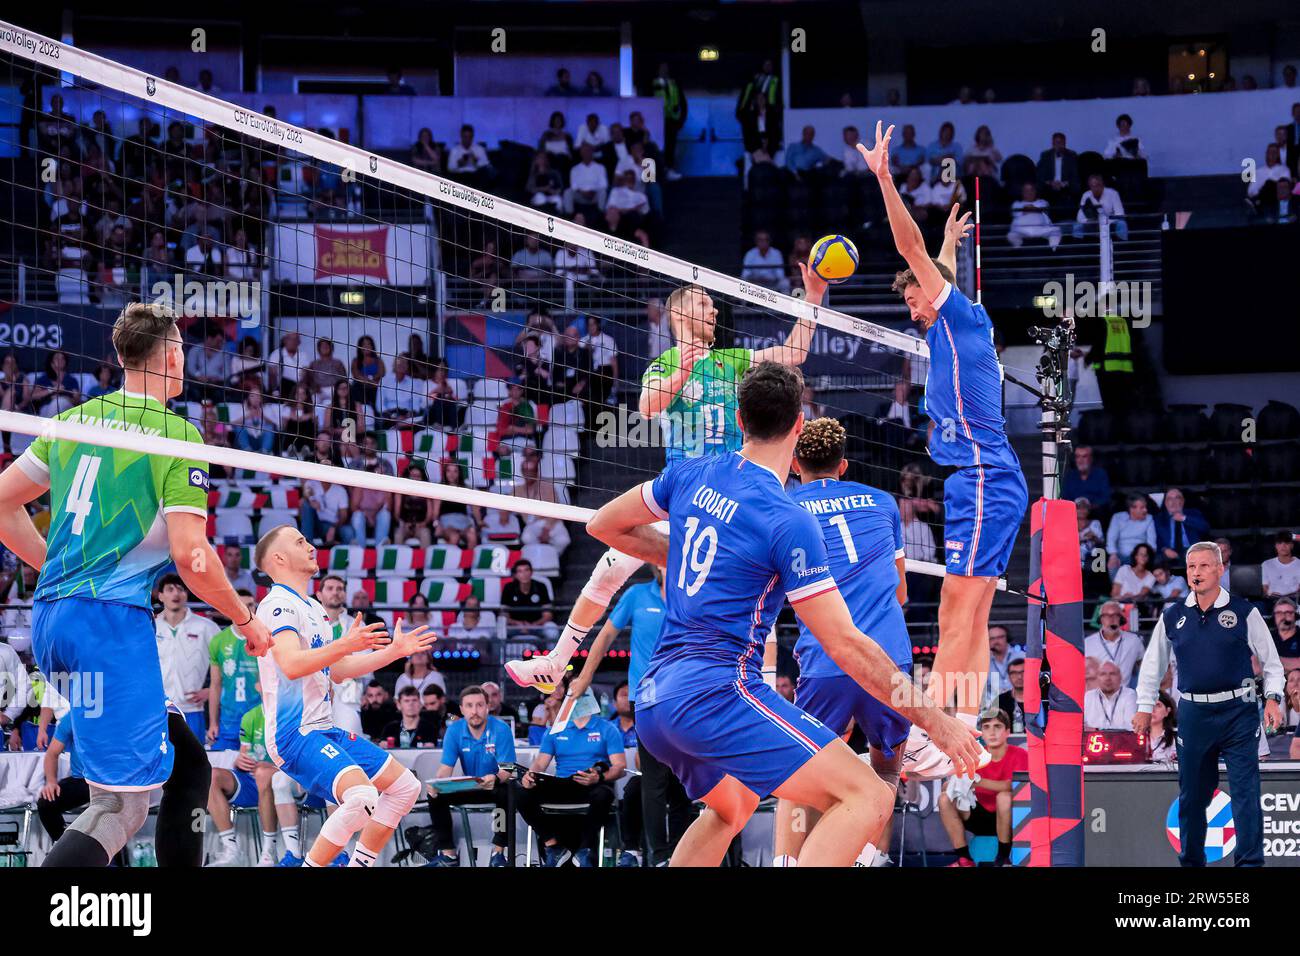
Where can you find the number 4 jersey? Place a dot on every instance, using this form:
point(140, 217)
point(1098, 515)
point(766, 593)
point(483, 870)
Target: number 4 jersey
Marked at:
point(108, 532)
point(738, 547)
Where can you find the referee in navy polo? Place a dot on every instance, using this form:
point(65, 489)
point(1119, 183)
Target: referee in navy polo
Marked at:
point(1213, 635)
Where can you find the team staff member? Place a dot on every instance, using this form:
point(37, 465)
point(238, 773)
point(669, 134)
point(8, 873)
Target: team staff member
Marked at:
point(482, 743)
point(1213, 636)
point(666, 810)
point(184, 639)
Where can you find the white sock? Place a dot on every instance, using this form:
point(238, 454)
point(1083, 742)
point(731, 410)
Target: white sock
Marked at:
point(784, 860)
point(307, 861)
point(868, 856)
point(268, 845)
point(230, 838)
point(363, 856)
point(571, 639)
point(970, 720)
point(291, 844)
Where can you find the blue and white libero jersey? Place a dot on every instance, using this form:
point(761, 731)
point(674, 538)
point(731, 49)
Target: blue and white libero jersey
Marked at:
point(294, 706)
point(963, 390)
point(738, 547)
point(864, 540)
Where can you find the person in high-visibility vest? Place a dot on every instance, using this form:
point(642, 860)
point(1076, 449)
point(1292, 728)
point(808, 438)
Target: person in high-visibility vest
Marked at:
point(674, 100)
point(1111, 358)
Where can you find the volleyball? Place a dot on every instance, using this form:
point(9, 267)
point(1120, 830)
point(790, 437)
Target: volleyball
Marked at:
point(833, 258)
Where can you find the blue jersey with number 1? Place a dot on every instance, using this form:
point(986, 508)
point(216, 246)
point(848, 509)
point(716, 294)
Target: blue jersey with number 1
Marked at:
point(864, 540)
point(738, 547)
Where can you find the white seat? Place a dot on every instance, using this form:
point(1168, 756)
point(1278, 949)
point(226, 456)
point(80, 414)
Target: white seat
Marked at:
point(234, 523)
point(72, 287)
point(561, 439)
point(568, 413)
point(491, 390)
point(559, 469)
point(275, 517)
point(544, 558)
point(481, 415)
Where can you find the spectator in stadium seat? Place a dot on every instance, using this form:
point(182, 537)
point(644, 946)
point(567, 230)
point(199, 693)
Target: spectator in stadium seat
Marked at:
point(414, 513)
point(1178, 527)
point(942, 149)
point(400, 399)
point(539, 530)
point(595, 86)
point(1124, 144)
point(1001, 653)
point(414, 727)
point(805, 156)
point(1058, 175)
point(563, 85)
point(469, 624)
point(593, 133)
point(603, 351)
point(377, 710)
point(983, 158)
point(427, 155)
point(183, 641)
point(105, 381)
point(368, 370)
point(1087, 480)
point(1110, 705)
point(527, 604)
point(853, 163)
point(56, 389)
point(1169, 587)
point(531, 263)
point(1134, 580)
point(785, 686)
point(764, 264)
point(1280, 202)
point(1012, 700)
point(574, 263)
point(1292, 136)
point(418, 671)
point(1091, 538)
point(589, 758)
point(984, 808)
point(324, 512)
point(1286, 635)
point(1163, 736)
point(1090, 666)
point(533, 370)
point(486, 269)
point(298, 426)
point(1098, 199)
point(516, 420)
point(1031, 219)
point(1129, 529)
point(468, 160)
point(396, 85)
point(545, 188)
point(1225, 549)
point(371, 512)
point(1289, 76)
point(255, 432)
point(572, 370)
point(638, 132)
point(325, 371)
point(1274, 168)
point(613, 152)
point(916, 192)
point(1281, 575)
point(627, 209)
point(556, 142)
point(907, 155)
point(240, 578)
point(445, 406)
point(456, 522)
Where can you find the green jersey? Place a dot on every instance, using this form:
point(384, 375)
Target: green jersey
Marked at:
point(108, 533)
point(702, 416)
point(252, 731)
point(239, 693)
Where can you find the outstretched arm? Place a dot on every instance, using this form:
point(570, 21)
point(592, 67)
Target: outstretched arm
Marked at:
point(623, 524)
point(296, 661)
point(794, 349)
point(954, 231)
point(405, 643)
point(907, 234)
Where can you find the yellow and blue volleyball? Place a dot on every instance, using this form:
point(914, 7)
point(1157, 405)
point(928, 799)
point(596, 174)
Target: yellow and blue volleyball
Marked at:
point(833, 258)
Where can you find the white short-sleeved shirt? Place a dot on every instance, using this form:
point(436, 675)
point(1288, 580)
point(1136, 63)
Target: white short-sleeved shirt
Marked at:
point(1281, 578)
point(304, 704)
point(183, 655)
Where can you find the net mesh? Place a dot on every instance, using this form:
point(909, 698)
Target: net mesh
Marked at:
point(347, 314)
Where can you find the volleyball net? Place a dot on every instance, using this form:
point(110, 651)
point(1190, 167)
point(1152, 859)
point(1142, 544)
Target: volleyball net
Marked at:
point(454, 339)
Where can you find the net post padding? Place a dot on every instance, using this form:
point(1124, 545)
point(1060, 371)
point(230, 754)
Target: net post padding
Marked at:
point(1055, 634)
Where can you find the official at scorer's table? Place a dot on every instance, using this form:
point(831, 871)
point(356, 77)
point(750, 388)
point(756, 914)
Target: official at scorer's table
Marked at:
point(1212, 636)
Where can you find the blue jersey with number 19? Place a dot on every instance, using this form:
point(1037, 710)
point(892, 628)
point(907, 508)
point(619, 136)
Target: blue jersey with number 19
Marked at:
point(738, 547)
point(864, 539)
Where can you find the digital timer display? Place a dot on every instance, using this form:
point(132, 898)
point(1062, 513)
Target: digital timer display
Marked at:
point(1115, 747)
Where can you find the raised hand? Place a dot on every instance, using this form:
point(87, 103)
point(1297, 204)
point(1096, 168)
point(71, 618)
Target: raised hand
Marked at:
point(416, 639)
point(814, 286)
point(877, 157)
point(365, 637)
point(957, 227)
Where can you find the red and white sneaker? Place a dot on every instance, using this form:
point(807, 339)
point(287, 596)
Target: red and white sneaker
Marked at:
point(961, 861)
point(923, 760)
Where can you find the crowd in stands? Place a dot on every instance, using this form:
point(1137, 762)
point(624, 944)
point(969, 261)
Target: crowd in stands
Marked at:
point(1273, 188)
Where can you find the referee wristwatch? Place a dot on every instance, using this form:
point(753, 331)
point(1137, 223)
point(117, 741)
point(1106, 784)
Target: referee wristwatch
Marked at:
point(1275, 698)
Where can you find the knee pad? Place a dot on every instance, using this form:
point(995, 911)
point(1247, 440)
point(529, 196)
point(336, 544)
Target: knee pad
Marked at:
point(354, 811)
point(396, 802)
point(609, 574)
point(282, 787)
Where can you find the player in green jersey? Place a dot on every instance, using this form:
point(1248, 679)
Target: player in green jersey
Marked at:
point(232, 678)
point(117, 518)
point(693, 385)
